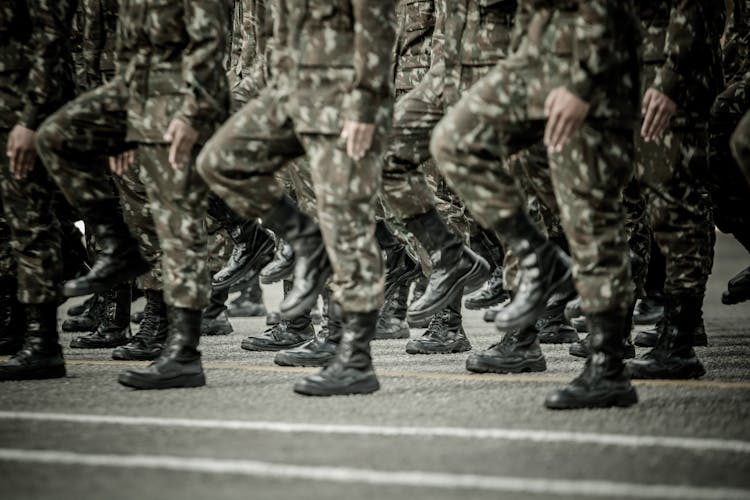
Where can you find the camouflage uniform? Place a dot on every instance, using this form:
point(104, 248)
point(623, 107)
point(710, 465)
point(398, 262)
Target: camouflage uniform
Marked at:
point(741, 146)
point(672, 171)
point(37, 77)
point(169, 67)
point(340, 74)
point(504, 113)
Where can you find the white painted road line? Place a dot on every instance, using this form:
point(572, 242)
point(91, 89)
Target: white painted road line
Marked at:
point(542, 486)
point(536, 436)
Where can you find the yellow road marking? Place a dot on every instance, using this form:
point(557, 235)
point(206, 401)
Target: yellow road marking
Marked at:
point(454, 377)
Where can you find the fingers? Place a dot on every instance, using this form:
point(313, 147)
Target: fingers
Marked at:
point(179, 151)
point(359, 138)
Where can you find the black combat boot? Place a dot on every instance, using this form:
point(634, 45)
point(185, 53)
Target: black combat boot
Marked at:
point(650, 337)
point(544, 269)
point(114, 323)
point(738, 288)
point(282, 265)
point(312, 268)
point(215, 320)
point(518, 352)
point(350, 371)
point(400, 266)
point(552, 326)
point(445, 333)
point(584, 347)
point(322, 348)
point(252, 251)
point(179, 364)
point(11, 322)
point(491, 313)
point(456, 269)
point(649, 309)
point(118, 259)
point(491, 294)
point(149, 341)
point(89, 320)
point(79, 309)
point(392, 319)
point(249, 304)
point(40, 357)
point(673, 357)
point(604, 382)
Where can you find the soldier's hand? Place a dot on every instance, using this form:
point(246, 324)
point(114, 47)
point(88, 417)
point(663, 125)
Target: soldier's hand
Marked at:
point(183, 138)
point(358, 137)
point(21, 151)
point(657, 109)
point(566, 113)
point(121, 163)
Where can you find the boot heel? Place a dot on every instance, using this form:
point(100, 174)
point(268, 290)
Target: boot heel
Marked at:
point(539, 365)
point(627, 399)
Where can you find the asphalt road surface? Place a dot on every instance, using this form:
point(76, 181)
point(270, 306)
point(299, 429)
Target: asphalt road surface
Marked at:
point(433, 431)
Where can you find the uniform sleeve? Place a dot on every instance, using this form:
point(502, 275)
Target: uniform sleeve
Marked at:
point(374, 40)
point(206, 92)
point(50, 60)
point(596, 37)
point(686, 19)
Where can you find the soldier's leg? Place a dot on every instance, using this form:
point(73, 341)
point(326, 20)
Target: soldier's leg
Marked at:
point(741, 145)
point(11, 334)
point(178, 200)
point(240, 164)
point(35, 243)
point(215, 320)
point(683, 229)
point(407, 194)
point(73, 143)
point(346, 192)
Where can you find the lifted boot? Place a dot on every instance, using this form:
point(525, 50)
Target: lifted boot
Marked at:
point(400, 266)
point(604, 382)
point(282, 265)
point(179, 364)
point(312, 268)
point(350, 371)
point(392, 319)
point(321, 349)
point(41, 355)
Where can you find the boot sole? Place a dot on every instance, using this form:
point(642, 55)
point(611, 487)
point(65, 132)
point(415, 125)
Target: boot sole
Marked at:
point(536, 365)
point(129, 274)
point(486, 304)
point(365, 387)
point(478, 270)
point(463, 347)
point(130, 357)
point(98, 346)
point(621, 400)
point(179, 382)
point(40, 374)
point(566, 339)
point(218, 333)
point(734, 298)
point(252, 348)
point(562, 286)
point(685, 373)
point(306, 363)
point(243, 274)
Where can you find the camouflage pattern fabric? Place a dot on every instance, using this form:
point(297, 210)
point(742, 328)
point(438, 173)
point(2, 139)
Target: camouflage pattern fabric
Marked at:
point(340, 74)
point(170, 56)
point(7, 261)
point(97, 25)
point(503, 114)
point(36, 77)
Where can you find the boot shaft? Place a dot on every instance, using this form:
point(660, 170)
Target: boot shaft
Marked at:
point(435, 237)
point(116, 305)
point(183, 335)
point(358, 330)
point(608, 331)
point(41, 328)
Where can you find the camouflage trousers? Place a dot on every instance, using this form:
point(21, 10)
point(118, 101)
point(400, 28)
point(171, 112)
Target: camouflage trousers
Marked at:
point(35, 236)
point(728, 186)
point(672, 174)
point(73, 143)
point(741, 145)
point(241, 162)
point(491, 122)
point(7, 261)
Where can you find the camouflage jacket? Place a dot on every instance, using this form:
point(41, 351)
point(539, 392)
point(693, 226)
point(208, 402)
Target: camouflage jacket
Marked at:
point(98, 42)
point(36, 66)
point(416, 25)
point(588, 46)
point(737, 47)
point(681, 51)
point(343, 53)
point(171, 53)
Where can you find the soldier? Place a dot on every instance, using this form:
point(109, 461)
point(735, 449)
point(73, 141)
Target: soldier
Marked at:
point(37, 78)
point(167, 97)
point(334, 109)
point(587, 98)
point(673, 169)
